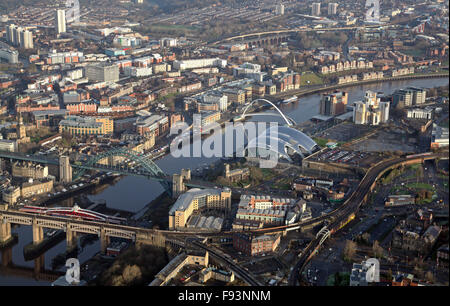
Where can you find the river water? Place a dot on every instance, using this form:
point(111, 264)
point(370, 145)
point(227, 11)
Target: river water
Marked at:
point(134, 193)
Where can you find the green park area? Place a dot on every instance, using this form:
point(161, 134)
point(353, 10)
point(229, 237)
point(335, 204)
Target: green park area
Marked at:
point(310, 79)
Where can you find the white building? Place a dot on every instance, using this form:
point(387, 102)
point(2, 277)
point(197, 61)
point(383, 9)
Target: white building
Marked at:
point(102, 72)
point(11, 56)
point(332, 8)
point(26, 39)
point(168, 42)
point(217, 98)
point(384, 111)
point(370, 111)
point(363, 272)
point(75, 74)
point(60, 21)
point(199, 63)
point(8, 145)
point(137, 71)
point(315, 10)
point(419, 113)
point(279, 9)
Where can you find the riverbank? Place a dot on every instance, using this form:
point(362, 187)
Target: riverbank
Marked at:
point(325, 88)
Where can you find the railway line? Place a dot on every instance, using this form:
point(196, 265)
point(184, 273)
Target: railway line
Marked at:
point(342, 215)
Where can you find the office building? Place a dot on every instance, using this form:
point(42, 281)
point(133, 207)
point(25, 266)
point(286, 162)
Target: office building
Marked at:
point(36, 187)
point(279, 9)
point(29, 170)
point(270, 217)
point(65, 169)
point(199, 63)
point(439, 137)
point(255, 245)
point(197, 199)
point(315, 10)
point(10, 195)
point(77, 125)
point(102, 72)
point(265, 202)
point(332, 8)
point(333, 104)
point(362, 272)
point(8, 145)
point(420, 113)
point(60, 21)
point(409, 96)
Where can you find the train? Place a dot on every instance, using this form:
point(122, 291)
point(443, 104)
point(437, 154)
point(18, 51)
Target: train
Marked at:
point(73, 212)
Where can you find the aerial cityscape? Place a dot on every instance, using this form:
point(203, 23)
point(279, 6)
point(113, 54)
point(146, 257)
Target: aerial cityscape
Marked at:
point(237, 143)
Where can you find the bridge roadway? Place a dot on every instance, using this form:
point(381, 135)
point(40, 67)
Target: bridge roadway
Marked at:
point(343, 214)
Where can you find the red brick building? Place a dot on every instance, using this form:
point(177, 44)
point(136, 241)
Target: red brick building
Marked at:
point(255, 245)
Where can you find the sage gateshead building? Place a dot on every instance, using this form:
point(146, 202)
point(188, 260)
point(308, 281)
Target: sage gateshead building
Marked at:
point(282, 141)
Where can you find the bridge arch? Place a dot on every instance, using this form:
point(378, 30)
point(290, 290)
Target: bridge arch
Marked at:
point(288, 122)
point(148, 165)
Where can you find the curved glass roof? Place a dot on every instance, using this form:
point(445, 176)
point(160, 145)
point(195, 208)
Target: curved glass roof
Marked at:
point(279, 138)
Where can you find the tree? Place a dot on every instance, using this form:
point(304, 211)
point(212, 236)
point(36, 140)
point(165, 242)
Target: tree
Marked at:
point(389, 274)
point(349, 250)
point(429, 277)
point(377, 249)
point(131, 274)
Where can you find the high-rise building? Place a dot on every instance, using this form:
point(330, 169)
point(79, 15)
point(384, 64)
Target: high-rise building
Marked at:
point(10, 33)
point(333, 104)
point(26, 39)
point(102, 72)
point(60, 21)
point(402, 98)
point(370, 111)
point(332, 8)
point(65, 169)
point(16, 35)
point(359, 112)
point(373, 11)
point(279, 9)
point(409, 97)
point(315, 11)
point(384, 111)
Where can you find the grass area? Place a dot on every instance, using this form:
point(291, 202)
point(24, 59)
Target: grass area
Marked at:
point(283, 184)
point(321, 142)
point(420, 186)
point(414, 167)
point(313, 79)
point(415, 52)
point(396, 190)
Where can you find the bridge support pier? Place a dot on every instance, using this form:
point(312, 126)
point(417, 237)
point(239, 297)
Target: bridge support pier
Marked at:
point(6, 257)
point(104, 241)
point(39, 264)
point(5, 232)
point(38, 233)
point(71, 240)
